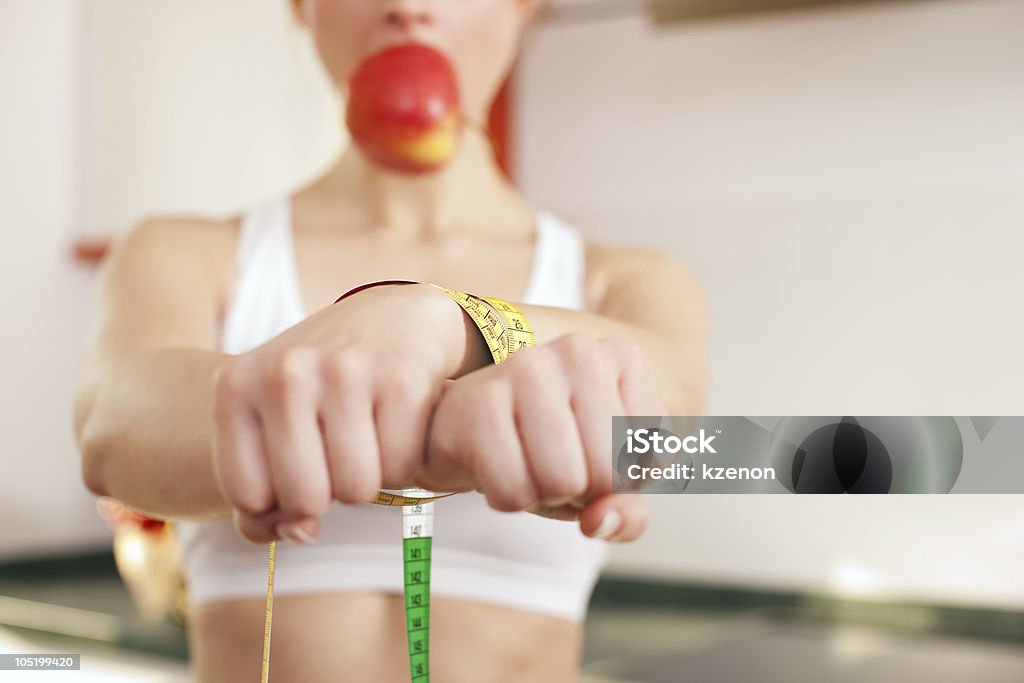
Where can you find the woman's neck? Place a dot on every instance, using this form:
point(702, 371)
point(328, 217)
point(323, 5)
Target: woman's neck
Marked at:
point(430, 205)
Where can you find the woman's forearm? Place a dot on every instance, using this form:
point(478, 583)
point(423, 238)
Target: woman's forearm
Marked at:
point(145, 420)
point(145, 429)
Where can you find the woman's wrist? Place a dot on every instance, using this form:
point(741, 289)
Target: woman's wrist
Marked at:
point(463, 345)
point(436, 321)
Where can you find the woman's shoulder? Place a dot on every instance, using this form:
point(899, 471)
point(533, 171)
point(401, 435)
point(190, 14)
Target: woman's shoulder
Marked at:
point(169, 247)
point(185, 229)
point(607, 263)
point(612, 264)
point(613, 256)
point(192, 238)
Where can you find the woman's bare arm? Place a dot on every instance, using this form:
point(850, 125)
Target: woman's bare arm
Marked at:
point(332, 408)
point(167, 424)
point(144, 406)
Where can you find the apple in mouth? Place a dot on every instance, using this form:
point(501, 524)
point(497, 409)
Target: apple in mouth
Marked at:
point(403, 108)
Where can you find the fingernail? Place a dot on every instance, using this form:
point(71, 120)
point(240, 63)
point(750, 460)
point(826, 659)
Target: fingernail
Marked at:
point(609, 525)
point(293, 532)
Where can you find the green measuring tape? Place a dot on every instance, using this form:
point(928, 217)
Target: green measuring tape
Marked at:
point(417, 537)
point(417, 605)
point(505, 330)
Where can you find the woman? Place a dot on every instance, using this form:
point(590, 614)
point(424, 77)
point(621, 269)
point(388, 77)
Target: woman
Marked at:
point(223, 389)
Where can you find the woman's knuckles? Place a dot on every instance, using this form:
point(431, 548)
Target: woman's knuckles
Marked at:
point(582, 353)
point(627, 354)
point(536, 375)
point(579, 352)
point(407, 385)
point(484, 411)
point(462, 418)
point(572, 343)
point(342, 369)
point(571, 361)
point(229, 385)
point(288, 373)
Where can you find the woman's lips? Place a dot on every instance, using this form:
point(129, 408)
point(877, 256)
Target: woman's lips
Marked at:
point(393, 35)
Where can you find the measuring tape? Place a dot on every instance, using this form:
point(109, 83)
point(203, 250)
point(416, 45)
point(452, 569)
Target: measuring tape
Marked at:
point(505, 331)
point(503, 326)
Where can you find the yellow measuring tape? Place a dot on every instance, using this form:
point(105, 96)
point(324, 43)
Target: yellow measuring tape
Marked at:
point(505, 331)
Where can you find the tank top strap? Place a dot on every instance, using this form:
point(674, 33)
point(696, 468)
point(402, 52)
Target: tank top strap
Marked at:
point(560, 274)
point(266, 300)
point(263, 228)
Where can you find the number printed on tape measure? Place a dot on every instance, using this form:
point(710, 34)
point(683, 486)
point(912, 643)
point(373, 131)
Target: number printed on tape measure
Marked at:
point(418, 619)
point(416, 564)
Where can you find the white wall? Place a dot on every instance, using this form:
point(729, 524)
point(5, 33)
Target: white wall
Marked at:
point(42, 502)
point(114, 110)
point(848, 186)
point(197, 106)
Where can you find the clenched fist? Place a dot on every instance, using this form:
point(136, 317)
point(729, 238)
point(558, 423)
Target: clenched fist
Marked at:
point(334, 408)
point(534, 433)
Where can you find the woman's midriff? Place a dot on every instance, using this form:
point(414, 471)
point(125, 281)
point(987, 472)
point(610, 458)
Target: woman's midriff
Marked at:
point(360, 637)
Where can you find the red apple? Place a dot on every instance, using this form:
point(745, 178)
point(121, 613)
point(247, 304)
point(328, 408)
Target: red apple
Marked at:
point(403, 108)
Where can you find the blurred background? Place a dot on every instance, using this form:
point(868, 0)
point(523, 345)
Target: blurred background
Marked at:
point(845, 178)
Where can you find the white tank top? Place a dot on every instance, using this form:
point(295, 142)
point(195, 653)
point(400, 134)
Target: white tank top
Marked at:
point(509, 558)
